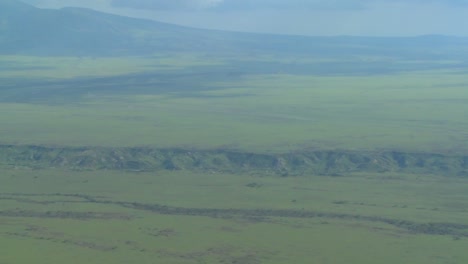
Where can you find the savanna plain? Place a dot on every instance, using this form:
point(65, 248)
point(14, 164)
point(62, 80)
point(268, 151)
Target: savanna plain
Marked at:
point(202, 158)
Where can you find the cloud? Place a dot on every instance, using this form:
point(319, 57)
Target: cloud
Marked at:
point(240, 5)
point(93, 4)
point(252, 5)
point(290, 5)
point(237, 5)
point(166, 4)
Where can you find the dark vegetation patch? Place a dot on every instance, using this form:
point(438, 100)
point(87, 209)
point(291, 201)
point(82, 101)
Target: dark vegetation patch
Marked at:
point(222, 254)
point(42, 235)
point(452, 229)
point(46, 199)
point(64, 215)
point(455, 230)
point(306, 162)
point(192, 81)
point(19, 67)
point(158, 232)
point(254, 185)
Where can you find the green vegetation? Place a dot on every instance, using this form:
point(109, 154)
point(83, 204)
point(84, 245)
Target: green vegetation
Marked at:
point(299, 163)
point(185, 217)
point(165, 144)
point(203, 106)
point(213, 160)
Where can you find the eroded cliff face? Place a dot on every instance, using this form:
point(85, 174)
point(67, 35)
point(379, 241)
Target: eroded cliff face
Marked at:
point(306, 162)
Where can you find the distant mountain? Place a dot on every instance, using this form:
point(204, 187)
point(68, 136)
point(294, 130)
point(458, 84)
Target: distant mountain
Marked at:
point(25, 29)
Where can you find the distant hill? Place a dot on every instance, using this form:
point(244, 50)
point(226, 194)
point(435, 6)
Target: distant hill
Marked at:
point(25, 29)
point(30, 30)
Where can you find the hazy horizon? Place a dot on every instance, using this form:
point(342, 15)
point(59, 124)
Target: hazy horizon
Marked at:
point(297, 17)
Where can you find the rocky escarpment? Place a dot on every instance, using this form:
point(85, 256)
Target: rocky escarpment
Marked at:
point(305, 162)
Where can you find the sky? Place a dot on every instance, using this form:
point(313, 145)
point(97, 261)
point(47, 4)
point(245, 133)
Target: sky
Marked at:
point(298, 17)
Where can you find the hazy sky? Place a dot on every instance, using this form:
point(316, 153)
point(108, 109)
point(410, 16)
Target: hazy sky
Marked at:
point(305, 17)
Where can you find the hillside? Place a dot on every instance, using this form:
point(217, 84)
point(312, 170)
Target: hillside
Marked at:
point(305, 162)
point(25, 29)
point(29, 30)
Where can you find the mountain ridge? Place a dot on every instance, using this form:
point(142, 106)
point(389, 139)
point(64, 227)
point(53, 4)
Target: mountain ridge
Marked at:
point(25, 29)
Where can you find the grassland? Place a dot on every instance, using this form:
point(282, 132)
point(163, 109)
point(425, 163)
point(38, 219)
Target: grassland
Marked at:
point(220, 147)
point(223, 104)
point(63, 215)
point(258, 104)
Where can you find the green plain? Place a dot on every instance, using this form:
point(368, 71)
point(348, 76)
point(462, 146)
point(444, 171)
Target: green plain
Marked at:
point(200, 106)
point(131, 235)
point(259, 104)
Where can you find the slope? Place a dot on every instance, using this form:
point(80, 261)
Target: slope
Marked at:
point(25, 29)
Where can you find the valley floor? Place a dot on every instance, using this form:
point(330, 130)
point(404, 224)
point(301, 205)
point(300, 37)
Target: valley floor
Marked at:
point(196, 158)
point(99, 216)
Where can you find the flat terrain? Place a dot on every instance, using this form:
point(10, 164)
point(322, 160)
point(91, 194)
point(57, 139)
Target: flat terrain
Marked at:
point(96, 158)
point(184, 217)
point(261, 104)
